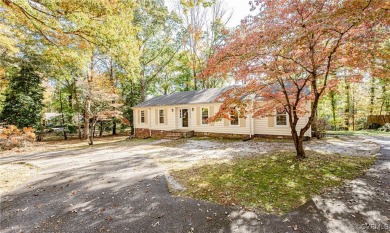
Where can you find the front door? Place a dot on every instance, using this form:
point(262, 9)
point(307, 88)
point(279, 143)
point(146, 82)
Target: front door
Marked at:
point(184, 118)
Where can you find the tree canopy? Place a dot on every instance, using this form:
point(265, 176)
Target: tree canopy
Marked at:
point(294, 50)
point(23, 98)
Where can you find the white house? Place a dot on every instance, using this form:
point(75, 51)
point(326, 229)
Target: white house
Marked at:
point(187, 112)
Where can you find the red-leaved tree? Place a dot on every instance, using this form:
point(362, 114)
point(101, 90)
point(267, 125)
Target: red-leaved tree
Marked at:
point(293, 51)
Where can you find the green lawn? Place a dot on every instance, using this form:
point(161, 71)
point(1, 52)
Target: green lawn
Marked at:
point(359, 132)
point(274, 183)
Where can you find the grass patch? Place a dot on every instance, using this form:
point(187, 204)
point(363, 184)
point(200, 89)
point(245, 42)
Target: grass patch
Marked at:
point(275, 183)
point(358, 132)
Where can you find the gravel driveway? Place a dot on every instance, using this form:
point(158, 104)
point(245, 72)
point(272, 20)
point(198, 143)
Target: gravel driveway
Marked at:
point(120, 188)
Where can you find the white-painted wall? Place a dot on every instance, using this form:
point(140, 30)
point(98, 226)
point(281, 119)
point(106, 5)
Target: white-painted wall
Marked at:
point(260, 126)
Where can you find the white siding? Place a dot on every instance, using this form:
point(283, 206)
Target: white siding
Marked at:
point(219, 126)
point(260, 126)
point(153, 118)
point(174, 122)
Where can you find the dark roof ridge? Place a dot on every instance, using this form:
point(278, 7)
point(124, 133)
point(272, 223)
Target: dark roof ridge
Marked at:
point(186, 97)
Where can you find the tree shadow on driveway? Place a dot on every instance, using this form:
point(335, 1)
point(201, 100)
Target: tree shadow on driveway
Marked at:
point(114, 189)
point(95, 192)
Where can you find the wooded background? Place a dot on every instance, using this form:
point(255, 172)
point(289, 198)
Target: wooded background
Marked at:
point(94, 60)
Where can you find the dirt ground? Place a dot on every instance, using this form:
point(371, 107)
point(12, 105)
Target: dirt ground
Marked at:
point(120, 186)
point(14, 174)
point(177, 154)
point(185, 153)
point(58, 143)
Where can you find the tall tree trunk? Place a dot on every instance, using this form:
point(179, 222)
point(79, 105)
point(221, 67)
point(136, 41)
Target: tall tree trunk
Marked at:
point(70, 99)
point(87, 116)
point(347, 106)
point(62, 117)
point(101, 129)
point(114, 126)
point(385, 98)
point(144, 89)
point(333, 106)
point(353, 109)
point(88, 100)
point(91, 131)
point(194, 77)
point(298, 143)
point(372, 96)
point(78, 113)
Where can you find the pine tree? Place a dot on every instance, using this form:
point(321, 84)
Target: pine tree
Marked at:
point(23, 98)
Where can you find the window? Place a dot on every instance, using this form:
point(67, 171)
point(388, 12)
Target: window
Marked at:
point(205, 116)
point(161, 116)
point(142, 116)
point(234, 117)
point(281, 117)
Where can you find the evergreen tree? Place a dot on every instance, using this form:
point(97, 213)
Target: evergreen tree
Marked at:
point(23, 98)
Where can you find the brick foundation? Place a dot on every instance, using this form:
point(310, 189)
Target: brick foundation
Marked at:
point(141, 133)
point(221, 135)
point(306, 138)
point(144, 133)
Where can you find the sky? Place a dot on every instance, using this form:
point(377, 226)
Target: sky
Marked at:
point(240, 9)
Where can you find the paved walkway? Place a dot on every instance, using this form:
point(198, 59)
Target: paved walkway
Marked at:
point(119, 189)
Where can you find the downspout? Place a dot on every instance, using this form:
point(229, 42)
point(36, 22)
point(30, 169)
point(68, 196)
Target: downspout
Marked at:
point(149, 121)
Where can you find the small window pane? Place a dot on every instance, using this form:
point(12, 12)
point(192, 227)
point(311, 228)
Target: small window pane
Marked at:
point(161, 116)
point(234, 116)
point(142, 116)
point(281, 118)
point(205, 116)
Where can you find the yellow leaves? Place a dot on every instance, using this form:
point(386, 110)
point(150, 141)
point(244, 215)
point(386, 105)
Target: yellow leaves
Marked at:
point(2, 75)
point(83, 45)
point(29, 132)
point(103, 83)
point(11, 137)
point(7, 39)
point(12, 130)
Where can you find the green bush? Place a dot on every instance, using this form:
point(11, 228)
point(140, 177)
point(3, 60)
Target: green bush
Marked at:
point(72, 129)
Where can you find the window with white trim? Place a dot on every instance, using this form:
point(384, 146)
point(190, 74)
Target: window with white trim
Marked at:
point(161, 116)
point(234, 117)
point(142, 115)
point(205, 116)
point(281, 117)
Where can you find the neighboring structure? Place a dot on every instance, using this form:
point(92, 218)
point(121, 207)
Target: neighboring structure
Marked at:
point(50, 118)
point(188, 111)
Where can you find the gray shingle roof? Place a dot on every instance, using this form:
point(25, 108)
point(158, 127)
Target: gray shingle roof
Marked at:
point(185, 97)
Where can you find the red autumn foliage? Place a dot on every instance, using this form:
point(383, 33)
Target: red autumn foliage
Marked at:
point(294, 50)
